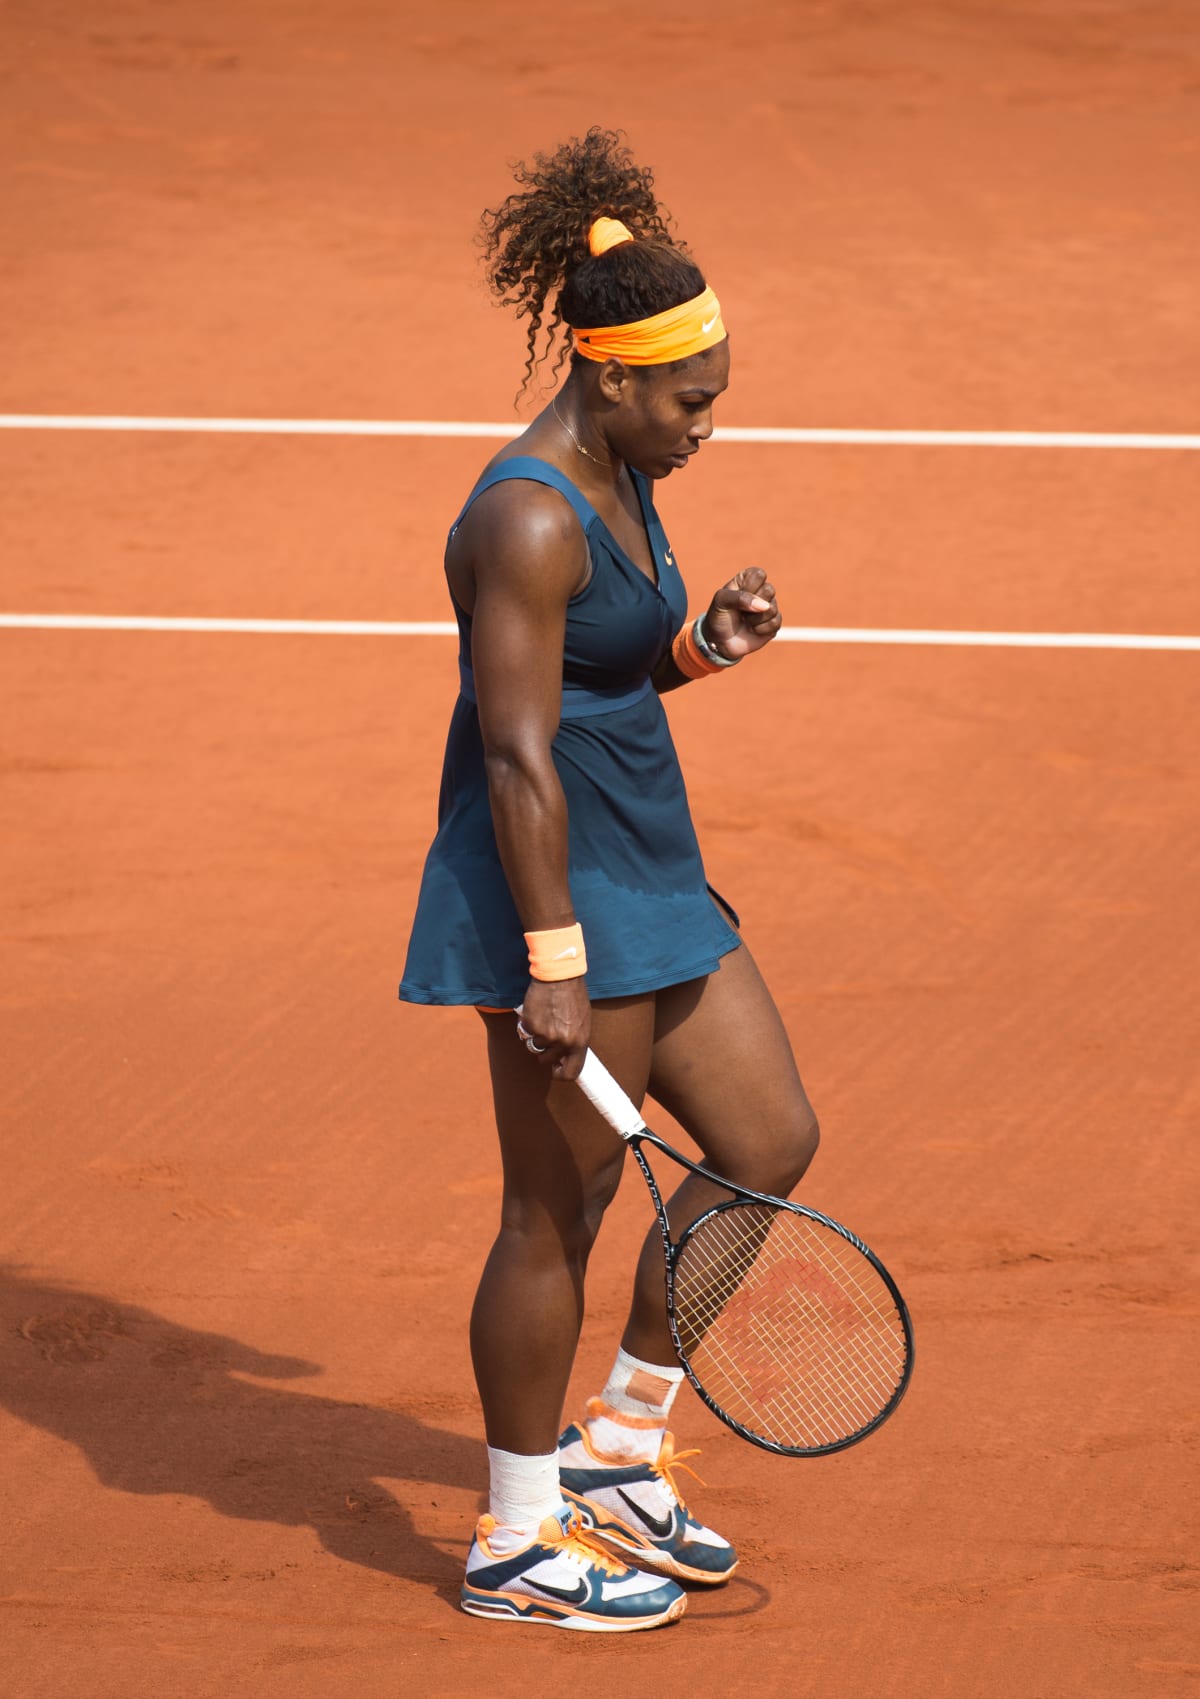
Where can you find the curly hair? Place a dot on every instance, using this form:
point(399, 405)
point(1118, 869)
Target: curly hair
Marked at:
point(535, 244)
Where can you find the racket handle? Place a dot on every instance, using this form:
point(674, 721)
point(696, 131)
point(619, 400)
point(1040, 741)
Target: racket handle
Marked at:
point(606, 1095)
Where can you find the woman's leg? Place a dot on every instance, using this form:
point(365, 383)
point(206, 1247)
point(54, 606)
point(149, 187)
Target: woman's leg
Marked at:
point(530, 1559)
point(723, 1067)
point(561, 1169)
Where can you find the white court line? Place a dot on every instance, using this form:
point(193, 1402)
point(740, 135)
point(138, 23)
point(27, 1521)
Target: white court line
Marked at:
point(987, 639)
point(469, 428)
point(447, 628)
point(265, 627)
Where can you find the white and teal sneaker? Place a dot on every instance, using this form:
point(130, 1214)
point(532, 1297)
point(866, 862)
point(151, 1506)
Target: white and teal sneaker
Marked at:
point(637, 1511)
point(565, 1578)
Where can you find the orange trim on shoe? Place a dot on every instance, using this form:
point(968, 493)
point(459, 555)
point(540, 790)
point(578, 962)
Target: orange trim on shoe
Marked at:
point(597, 1407)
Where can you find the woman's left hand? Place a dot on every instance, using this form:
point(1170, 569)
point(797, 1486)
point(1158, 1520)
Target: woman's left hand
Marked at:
point(743, 615)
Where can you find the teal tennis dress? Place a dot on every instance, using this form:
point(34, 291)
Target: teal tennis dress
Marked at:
point(637, 880)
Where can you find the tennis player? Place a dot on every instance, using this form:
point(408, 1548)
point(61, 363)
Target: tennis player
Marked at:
point(566, 878)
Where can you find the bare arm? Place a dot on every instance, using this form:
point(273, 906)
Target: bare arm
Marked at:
point(529, 557)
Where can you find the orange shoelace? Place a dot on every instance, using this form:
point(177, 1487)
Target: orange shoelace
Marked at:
point(668, 1461)
point(583, 1543)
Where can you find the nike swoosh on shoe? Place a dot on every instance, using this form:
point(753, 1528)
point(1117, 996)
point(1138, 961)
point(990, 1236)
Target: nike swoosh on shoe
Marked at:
point(656, 1524)
point(576, 1595)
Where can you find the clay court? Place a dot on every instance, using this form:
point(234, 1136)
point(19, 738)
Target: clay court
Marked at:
point(246, 1193)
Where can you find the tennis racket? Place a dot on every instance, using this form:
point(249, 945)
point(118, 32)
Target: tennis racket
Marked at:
point(787, 1325)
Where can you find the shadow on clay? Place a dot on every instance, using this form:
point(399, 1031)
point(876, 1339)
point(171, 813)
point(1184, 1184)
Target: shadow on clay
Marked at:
point(159, 1408)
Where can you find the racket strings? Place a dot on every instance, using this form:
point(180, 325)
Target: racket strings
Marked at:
point(787, 1325)
point(780, 1323)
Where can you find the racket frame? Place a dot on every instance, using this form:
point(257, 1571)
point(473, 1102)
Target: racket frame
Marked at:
point(618, 1109)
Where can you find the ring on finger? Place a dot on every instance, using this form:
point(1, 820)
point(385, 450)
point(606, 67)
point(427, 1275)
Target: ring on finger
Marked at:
point(536, 1049)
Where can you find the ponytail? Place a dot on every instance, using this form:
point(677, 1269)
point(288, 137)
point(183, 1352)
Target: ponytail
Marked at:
point(536, 249)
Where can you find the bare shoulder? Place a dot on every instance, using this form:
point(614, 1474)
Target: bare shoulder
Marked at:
point(522, 533)
point(522, 514)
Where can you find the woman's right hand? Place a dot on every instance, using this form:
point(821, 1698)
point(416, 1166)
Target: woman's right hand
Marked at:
point(744, 615)
point(557, 1019)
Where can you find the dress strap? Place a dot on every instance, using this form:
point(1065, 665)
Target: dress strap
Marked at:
point(578, 701)
point(533, 471)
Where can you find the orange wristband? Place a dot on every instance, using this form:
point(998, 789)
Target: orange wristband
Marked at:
point(557, 954)
point(685, 652)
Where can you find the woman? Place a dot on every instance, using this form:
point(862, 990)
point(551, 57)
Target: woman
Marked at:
point(566, 878)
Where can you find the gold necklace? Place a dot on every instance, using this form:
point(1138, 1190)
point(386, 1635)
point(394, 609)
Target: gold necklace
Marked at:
point(607, 464)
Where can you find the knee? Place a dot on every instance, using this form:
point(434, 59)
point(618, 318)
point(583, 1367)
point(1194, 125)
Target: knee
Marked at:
point(792, 1150)
point(566, 1224)
point(805, 1139)
point(596, 1192)
point(601, 1188)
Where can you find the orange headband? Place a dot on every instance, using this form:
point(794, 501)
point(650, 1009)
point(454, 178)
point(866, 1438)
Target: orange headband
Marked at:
point(673, 335)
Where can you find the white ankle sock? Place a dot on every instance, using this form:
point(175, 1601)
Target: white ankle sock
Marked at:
point(523, 1491)
point(630, 1417)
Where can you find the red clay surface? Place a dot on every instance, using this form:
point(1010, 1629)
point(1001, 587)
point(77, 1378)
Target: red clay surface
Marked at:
point(241, 1454)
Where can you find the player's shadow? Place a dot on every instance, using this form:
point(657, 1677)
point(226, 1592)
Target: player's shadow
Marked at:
point(159, 1408)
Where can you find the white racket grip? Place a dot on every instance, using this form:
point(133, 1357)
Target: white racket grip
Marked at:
point(606, 1095)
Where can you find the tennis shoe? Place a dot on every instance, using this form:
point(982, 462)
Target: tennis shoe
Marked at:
point(564, 1577)
point(637, 1511)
